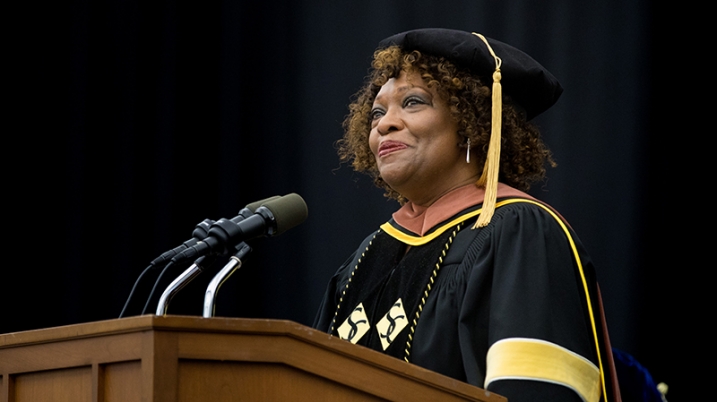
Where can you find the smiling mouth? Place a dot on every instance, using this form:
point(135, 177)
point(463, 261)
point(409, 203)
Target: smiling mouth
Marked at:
point(390, 147)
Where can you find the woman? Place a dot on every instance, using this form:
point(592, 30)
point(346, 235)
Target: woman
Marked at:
point(472, 277)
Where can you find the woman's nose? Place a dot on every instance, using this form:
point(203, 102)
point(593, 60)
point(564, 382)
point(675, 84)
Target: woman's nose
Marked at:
point(389, 122)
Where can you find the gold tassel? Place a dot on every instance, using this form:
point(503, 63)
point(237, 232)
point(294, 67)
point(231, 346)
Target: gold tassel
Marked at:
point(489, 177)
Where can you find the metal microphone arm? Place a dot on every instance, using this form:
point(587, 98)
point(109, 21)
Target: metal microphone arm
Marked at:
point(235, 262)
point(181, 281)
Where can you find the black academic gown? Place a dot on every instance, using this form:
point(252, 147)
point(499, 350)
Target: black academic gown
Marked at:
point(511, 307)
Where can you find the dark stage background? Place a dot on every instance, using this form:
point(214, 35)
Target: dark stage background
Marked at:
point(140, 119)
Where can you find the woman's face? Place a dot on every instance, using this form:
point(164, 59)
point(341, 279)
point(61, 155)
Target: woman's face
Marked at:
point(415, 141)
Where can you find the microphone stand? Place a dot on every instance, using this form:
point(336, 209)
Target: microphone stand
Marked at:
point(234, 263)
point(181, 281)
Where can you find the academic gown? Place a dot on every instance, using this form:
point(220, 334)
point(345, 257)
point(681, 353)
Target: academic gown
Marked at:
point(511, 307)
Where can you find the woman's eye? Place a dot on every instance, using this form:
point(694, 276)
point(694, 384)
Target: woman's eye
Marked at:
point(413, 100)
point(376, 113)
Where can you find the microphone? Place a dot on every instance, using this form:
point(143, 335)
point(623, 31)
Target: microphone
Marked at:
point(201, 231)
point(272, 218)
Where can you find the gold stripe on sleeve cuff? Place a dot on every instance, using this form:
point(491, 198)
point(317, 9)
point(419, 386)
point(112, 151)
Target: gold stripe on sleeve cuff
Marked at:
point(535, 359)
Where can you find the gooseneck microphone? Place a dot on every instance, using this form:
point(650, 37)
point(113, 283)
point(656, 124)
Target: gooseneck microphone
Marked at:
point(200, 232)
point(273, 218)
point(202, 229)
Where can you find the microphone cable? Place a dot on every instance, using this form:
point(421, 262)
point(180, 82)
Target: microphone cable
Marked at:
point(134, 287)
point(156, 282)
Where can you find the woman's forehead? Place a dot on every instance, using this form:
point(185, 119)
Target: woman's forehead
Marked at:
point(406, 80)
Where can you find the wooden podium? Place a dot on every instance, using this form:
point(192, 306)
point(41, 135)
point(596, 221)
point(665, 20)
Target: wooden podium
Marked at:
point(179, 358)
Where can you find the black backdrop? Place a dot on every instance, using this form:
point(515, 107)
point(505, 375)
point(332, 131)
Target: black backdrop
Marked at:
point(141, 119)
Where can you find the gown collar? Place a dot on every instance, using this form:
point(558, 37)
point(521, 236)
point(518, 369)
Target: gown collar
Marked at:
point(420, 220)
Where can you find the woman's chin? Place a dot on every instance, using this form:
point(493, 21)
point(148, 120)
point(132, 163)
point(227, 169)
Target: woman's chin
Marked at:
point(394, 178)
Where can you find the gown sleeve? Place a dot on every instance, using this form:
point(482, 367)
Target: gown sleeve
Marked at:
point(540, 338)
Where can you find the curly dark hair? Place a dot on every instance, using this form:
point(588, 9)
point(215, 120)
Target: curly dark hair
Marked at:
point(523, 153)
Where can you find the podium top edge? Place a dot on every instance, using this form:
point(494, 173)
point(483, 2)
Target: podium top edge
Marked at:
point(147, 323)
